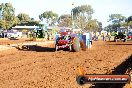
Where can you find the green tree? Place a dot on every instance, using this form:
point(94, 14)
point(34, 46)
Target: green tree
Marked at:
point(99, 26)
point(1, 10)
point(109, 28)
point(2, 24)
point(49, 16)
point(117, 20)
point(23, 17)
point(124, 24)
point(130, 24)
point(82, 14)
point(65, 20)
point(8, 18)
point(129, 21)
point(92, 25)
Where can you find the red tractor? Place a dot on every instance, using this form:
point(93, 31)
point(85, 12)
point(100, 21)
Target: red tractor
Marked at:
point(68, 40)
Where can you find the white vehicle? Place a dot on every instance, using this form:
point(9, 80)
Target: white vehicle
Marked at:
point(14, 34)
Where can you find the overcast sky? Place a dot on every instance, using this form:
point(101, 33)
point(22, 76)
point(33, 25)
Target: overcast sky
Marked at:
point(102, 8)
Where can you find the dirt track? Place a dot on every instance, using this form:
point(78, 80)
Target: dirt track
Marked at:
point(6, 41)
point(44, 68)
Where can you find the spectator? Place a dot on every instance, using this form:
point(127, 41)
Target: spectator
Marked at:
point(2, 35)
point(108, 36)
point(103, 37)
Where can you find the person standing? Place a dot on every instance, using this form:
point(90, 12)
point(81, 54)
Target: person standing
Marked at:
point(109, 36)
point(103, 37)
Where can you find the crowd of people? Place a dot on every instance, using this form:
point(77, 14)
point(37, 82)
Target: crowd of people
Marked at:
point(103, 36)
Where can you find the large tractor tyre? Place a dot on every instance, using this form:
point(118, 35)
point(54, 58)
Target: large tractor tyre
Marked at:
point(83, 45)
point(76, 45)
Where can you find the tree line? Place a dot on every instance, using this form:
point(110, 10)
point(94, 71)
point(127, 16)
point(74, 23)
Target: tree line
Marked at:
point(80, 17)
point(117, 21)
point(8, 18)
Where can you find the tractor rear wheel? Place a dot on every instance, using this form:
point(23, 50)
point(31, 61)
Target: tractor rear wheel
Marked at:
point(76, 44)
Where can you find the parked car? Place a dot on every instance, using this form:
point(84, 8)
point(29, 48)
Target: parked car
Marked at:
point(14, 34)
